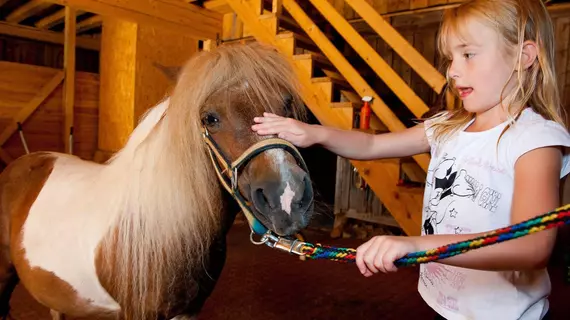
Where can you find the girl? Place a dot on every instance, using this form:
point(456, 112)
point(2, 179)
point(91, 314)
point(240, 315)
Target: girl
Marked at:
point(495, 161)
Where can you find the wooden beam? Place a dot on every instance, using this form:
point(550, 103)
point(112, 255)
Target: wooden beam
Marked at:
point(220, 6)
point(69, 83)
point(191, 20)
point(89, 23)
point(31, 106)
point(371, 56)
point(46, 36)
point(276, 7)
point(55, 19)
point(400, 45)
point(27, 10)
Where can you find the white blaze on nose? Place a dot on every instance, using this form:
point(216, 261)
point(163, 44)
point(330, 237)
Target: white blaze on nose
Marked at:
point(287, 199)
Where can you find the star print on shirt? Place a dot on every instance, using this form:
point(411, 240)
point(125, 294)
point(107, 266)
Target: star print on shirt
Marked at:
point(453, 213)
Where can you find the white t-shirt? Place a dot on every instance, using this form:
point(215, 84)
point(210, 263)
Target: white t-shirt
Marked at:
point(469, 189)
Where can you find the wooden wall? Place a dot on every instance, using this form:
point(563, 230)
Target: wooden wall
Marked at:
point(44, 54)
point(43, 130)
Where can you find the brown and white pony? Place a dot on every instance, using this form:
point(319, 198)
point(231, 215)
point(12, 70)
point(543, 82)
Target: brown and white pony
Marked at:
point(143, 235)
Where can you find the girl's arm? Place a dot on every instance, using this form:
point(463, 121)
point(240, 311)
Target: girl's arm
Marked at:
point(536, 191)
point(363, 146)
point(346, 143)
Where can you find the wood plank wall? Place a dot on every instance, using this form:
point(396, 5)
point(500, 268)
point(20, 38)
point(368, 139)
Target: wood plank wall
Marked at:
point(44, 54)
point(19, 83)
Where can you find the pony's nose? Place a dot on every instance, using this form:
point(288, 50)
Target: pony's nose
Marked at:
point(291, 196)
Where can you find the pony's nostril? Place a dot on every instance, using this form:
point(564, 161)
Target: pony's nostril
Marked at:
point(260, 200)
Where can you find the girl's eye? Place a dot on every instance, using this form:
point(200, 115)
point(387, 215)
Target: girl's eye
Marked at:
point(468, 55)
point(210, 120)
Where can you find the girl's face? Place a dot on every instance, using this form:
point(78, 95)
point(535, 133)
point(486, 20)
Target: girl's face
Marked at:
point(480, 67)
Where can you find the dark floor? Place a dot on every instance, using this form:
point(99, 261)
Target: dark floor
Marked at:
point(262, 283)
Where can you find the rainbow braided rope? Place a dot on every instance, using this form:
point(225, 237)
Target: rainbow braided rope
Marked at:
point(552, 219)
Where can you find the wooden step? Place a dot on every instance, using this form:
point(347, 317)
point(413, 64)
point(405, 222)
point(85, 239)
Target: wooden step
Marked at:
point(282, 23)
point(301, 41)
point(318, 59)
point(336, 82)
point(289, 24)
point(351, 96)
point(413, 170)
point(240, 40)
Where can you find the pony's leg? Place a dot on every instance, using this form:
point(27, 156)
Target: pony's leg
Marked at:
point(8, 281)
point(8, 276)
point(55, 315)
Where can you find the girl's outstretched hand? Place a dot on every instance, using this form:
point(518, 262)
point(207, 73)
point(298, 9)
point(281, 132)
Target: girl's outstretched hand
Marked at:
point(298, 133)
point(380, 252)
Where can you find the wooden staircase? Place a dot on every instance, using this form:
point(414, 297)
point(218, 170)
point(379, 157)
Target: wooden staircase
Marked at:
point(333, 87)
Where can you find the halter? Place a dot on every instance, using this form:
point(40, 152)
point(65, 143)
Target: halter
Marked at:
point(228, 175)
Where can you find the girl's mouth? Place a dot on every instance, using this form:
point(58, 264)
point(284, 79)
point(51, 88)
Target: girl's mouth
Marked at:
point(464, 91)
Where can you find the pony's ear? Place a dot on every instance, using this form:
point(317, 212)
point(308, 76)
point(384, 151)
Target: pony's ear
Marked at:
point(169, 72)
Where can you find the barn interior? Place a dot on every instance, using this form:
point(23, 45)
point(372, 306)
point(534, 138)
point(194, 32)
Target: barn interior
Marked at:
point(77, 75)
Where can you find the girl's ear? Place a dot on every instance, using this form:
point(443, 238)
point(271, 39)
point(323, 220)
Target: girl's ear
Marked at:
point(529, 54)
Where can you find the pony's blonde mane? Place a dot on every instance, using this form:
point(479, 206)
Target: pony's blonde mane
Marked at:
point(168, 205)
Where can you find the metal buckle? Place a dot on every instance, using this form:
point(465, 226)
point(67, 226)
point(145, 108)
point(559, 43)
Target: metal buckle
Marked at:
point(273, 241)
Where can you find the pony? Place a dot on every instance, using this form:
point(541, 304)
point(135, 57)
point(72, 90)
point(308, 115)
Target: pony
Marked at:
point(142, 235)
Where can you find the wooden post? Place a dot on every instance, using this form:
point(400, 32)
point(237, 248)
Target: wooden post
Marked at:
point(277, 7)
point(130, 80)
point(69, 82)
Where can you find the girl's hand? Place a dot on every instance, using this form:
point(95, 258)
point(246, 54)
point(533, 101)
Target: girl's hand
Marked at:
point(380, 252)
point(296, 132)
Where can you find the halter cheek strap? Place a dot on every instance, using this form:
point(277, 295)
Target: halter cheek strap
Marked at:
point(227, 171)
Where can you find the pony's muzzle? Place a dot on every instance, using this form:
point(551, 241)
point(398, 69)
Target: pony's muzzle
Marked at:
point(285, 203)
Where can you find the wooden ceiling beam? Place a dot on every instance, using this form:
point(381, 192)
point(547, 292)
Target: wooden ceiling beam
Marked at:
point(220, 6)
point(54, 19)
point(89, 23)
point(27, 10)
point(31, 33)
point(196, 22)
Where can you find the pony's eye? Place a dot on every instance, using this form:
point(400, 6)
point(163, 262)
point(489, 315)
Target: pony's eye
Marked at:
point(210, 120)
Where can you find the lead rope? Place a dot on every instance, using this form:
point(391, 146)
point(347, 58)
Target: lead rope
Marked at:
point(552, 219)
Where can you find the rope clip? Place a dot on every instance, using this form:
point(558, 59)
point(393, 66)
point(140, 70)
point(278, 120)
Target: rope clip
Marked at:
point(285, 244)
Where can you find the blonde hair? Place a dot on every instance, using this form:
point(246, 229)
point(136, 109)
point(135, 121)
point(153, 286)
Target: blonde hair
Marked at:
point(167, 201)
point(516, 21)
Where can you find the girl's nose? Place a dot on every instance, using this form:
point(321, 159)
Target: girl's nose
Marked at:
point(452, 72)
